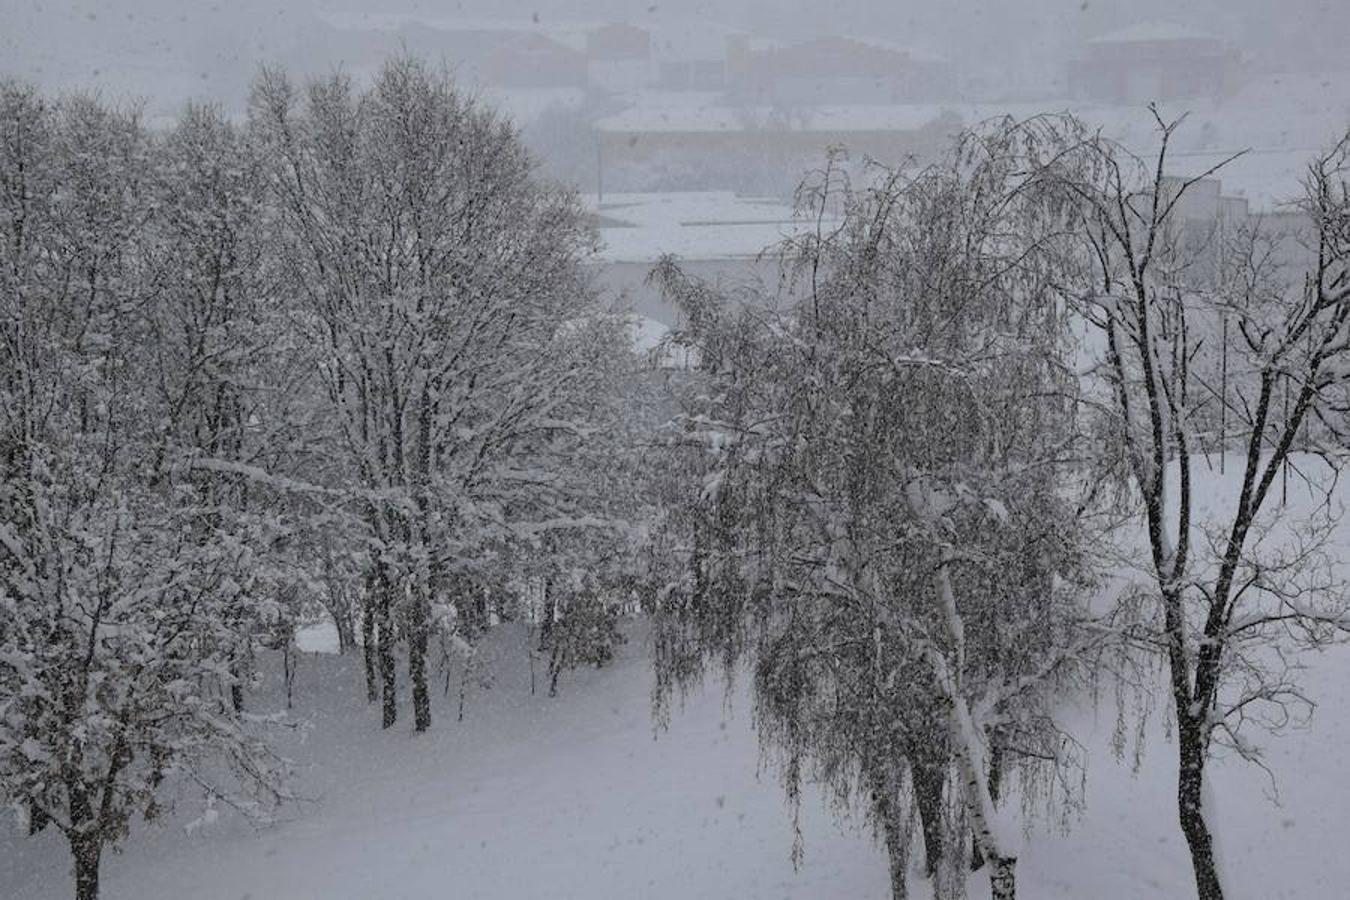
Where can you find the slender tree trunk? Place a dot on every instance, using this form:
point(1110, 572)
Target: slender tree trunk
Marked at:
point(972, 770)
point(464, 681)
point(288, 667)
point(929, 780)
point(555, 665)
point(995, 786)
point(37, 819)
point(897, 855)
point(388, 675)
point(1190, 791)
point(549, 614)
point(897, 829)
point(236, 685)
point(86, 850)
point(346, 630)
point(417, 662)
point(368, 649)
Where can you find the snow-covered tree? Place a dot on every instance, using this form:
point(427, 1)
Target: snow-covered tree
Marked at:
point(889, 521)
point(225, 369)
point(1261, 343)
point(456, 332)
point(118, 589)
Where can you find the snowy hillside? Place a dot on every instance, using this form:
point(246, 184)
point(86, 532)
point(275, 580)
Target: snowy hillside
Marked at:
point(574, 797)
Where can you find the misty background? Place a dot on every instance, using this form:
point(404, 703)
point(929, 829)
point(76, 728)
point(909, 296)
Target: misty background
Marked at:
point(168, 50)
point(746, 95)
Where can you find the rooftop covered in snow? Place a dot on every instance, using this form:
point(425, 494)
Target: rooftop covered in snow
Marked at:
point(681, 115)
point(694, 225)
point(1153, 32)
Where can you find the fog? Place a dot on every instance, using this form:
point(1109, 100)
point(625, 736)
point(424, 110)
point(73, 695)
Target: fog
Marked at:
point(168, 49)
point(1258, 75)
point(746, 95)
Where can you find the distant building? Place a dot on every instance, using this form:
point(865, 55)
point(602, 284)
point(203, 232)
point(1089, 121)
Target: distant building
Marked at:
point(619, 57)
point(688, 140)
point(1211, 231)
point(1154, 61)
point(691, 56)
point(533, 60)
point(835, 70)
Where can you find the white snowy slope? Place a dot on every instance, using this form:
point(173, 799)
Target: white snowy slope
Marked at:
point(531, 797)
point(527, 797)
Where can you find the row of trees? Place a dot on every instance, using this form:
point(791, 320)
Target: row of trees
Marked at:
point(900, 492)
point(343, 353)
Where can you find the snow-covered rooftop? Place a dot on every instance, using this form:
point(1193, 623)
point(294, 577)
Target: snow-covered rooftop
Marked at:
point(690, 117)
point(914, 52)
point(1147, 32)
point(693, 225)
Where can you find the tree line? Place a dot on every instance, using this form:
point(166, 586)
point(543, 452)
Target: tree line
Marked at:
point(347, 354)
point(344, 353)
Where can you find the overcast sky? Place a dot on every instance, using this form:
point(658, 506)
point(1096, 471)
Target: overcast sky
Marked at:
point(165, 50)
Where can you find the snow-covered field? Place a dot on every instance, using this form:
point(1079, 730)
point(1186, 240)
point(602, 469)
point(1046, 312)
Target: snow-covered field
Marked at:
point(574, 797)
point(578, 796)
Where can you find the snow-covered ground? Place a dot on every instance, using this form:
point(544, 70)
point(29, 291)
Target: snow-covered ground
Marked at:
point(532, 797)
point(574, 797)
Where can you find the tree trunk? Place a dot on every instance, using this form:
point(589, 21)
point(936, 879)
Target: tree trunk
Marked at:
point(995, 786)
point(896, 827)
point(1190, 791)
point(974, 774)
point(388, 675)
point(37, 819)
point(928, 783)
point(417, 664)
point(965, 734)
point(550, 613)
point(897, 854)
point(236, 686)
point(482, 610)
point(346, 630)
point(555, 665)
point(288, 667)
point(86, 850)
point(368, 648)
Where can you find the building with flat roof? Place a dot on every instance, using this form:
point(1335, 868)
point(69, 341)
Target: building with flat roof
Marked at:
point(835, 69)
point(1154, 61)
point(683, 141)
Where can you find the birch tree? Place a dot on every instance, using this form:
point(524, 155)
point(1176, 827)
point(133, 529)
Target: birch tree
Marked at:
point(889, 510)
